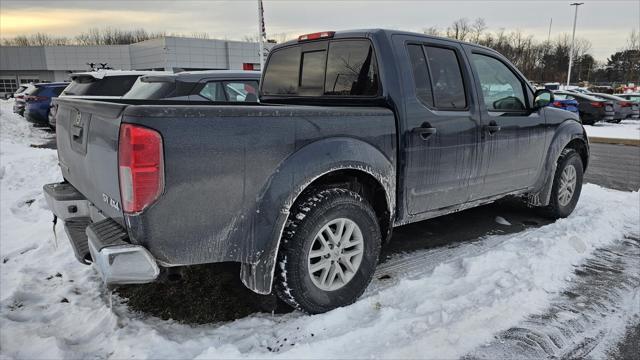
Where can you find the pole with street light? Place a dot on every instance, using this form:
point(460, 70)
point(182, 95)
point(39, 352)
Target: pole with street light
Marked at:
point(573, 39)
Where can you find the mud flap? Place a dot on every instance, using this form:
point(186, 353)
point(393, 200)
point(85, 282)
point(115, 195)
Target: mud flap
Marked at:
point(258, 277)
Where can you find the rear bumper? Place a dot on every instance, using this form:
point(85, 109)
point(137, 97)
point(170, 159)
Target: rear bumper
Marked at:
point(99, 240)
point(35, 116)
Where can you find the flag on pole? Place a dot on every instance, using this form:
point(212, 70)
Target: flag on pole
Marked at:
point(262, 33)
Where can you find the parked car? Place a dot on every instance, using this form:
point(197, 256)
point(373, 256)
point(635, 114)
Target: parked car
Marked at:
point(212, 85)
point(38, 102)
point(624, 109)
point(591, 109)
point(108, 84)
point(565, 102)
point(356, 132)
point(18, 104)
point(633, 97)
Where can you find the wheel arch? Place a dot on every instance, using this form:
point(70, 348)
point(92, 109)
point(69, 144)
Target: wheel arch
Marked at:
point(344, 161)
point(569, 134)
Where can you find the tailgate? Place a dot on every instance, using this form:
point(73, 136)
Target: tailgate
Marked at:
point(87, 139)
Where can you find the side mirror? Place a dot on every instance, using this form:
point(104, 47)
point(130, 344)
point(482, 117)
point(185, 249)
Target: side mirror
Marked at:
point(542, 98)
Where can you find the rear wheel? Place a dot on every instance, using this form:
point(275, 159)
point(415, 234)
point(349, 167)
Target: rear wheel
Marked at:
point(329, 251)
point(567, 184)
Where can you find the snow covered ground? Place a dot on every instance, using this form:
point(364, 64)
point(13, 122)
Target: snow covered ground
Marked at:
point(626, 129)
point(441, 303)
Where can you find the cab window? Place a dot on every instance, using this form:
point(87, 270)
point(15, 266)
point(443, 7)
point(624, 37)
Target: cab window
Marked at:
point(502, 90)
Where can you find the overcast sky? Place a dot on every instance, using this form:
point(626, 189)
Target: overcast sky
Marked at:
point(606, 23)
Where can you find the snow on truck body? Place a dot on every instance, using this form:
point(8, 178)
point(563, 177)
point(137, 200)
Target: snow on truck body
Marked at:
point(415, 127)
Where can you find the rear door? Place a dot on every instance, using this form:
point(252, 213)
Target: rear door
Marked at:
point(513, 135)
point(87, 140)
point(441, 122)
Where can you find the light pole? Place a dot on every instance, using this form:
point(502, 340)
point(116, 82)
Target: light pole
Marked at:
point(573, 39)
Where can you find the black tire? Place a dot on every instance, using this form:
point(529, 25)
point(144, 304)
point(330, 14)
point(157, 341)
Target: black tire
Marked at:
point(293, 283)
point(556, 209)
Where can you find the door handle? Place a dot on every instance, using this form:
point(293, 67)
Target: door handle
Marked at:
point(425, 131)
point(76, 131)
point(493, 127)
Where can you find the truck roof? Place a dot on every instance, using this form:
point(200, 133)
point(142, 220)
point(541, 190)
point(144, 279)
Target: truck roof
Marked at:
point(387, 32)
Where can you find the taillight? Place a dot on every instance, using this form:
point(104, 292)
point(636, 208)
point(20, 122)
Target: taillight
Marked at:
point(316, 36)
point(625, 103)
point(141, 167)
point(597, 104)
point(34, 98)
point(558, 104)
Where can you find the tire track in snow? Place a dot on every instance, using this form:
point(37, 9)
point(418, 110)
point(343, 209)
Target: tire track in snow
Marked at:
point(586, 320)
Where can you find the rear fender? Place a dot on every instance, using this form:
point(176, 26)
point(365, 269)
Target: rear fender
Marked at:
point(294, 175)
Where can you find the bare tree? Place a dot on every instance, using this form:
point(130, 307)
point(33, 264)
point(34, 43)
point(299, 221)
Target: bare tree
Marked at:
point(459, 30)
point(477, 28)
point(432, 30)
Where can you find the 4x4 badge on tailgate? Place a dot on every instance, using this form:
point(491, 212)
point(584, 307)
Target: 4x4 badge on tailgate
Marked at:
point(113, 203)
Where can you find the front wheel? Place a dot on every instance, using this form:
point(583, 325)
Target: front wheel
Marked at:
point(329, 251)
point(567, 184)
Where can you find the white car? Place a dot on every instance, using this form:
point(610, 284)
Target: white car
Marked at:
point(18, 105)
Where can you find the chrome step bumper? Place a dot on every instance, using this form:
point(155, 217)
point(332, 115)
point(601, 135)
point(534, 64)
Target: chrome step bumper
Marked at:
point(99, 240)
point(119, 262)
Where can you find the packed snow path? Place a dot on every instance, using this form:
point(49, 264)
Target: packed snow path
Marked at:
point(448, 302)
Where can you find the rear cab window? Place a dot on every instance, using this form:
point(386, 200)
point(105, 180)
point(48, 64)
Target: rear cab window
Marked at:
point(331, 68)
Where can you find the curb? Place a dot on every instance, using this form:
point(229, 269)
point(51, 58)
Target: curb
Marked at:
point(614, 141)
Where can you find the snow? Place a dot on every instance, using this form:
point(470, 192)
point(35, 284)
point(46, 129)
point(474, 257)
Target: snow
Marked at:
point(502, 221)
point(626, 129)
point(441, 303)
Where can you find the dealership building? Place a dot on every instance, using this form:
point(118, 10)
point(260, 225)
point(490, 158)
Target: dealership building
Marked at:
point(24, 64)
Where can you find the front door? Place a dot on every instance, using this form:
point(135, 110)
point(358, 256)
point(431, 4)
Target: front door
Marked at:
point(441, 127)
point(513, 133)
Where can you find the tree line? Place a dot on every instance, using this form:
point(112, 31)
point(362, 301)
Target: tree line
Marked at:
point(95, 36)
point(540, 61)
point(548, 61)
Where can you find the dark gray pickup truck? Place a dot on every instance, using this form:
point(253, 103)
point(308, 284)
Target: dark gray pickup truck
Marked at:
point(356, 132)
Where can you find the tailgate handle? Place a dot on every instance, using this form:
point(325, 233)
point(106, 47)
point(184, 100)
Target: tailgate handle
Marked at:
point(76, 132)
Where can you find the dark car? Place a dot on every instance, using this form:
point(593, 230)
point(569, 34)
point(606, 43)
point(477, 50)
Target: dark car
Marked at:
point(633, 97)
point(38, 102)
point(105, 84)
point(565, 103)
point(591, 109)
point(356, 132)
point(21, 92)
point(624, 109)
point(213, 85)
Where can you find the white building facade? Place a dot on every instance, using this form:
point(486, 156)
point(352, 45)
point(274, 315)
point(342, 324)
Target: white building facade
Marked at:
point(24, 64)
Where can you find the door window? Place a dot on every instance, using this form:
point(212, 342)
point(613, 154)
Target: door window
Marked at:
point(213, 91)
point(446, 77)
point(502, 90)
point(246, 91)
point(421, 76)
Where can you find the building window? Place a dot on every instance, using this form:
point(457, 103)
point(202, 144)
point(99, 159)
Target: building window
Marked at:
point(8, 85)
point(29, 80)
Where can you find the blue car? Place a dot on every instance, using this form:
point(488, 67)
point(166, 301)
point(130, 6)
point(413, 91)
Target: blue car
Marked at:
point(38, 102)
point(565, 102)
